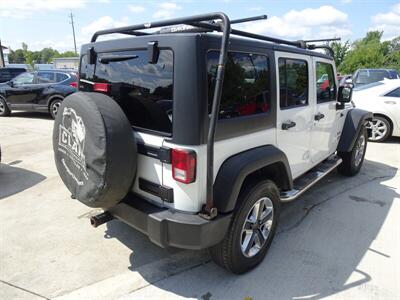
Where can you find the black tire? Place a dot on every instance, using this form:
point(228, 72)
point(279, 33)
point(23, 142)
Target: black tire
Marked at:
point(228, 253)
point(379, 125)
point(4, 109)
point(55, 107)
point(94, 149)
point(352, 162)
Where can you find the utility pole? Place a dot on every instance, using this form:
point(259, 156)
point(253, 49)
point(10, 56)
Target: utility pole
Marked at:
point(73, 29)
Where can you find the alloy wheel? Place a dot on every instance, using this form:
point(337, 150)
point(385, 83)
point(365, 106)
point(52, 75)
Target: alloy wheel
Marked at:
point(257, 227)
point(359, 150)
point(2, 107)
point(378, 129)
point(56, 107)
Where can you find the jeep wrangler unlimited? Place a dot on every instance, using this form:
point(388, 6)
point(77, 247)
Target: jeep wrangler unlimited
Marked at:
point(195, 137)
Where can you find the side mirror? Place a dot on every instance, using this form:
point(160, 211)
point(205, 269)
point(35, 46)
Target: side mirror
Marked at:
point(10, 83)
point(349, 81)
point(345, 93)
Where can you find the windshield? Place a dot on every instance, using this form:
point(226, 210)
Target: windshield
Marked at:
point(143, 90)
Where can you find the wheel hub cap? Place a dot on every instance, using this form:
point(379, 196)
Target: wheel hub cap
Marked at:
point(257, 227)
point(359, 150)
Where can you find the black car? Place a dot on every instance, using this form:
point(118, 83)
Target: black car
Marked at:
point(8, 73)
point(37, 91)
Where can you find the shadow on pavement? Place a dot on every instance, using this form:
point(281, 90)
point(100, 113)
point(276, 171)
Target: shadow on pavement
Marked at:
point(31, 115)
point(320, 242)
point(14, 180)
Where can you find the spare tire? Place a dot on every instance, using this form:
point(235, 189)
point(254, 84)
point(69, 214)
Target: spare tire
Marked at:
point(94, 149)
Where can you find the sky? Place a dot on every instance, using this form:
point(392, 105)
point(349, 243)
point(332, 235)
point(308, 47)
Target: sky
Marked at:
point(46, 23)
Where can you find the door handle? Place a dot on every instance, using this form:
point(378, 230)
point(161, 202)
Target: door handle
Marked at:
point(319, 116)
point(288, 124)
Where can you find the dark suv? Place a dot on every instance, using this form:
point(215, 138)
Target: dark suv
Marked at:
point(8, 73)
point(37, 91)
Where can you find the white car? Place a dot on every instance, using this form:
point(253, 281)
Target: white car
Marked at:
point(383, 100)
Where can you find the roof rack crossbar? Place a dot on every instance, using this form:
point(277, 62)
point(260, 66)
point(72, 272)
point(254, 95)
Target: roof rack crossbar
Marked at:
point(248, 34)
point(250, 19)
point(322, 40)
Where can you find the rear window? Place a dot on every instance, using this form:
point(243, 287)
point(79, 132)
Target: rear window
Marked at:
point(143, 90)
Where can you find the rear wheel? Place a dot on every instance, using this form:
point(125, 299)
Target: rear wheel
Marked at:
point(353, 160)
point(55, 107)
point(252, 230)
point(380, 129)
point(4, 109)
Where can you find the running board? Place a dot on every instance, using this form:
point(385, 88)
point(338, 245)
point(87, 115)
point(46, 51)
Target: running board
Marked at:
point(304, 182)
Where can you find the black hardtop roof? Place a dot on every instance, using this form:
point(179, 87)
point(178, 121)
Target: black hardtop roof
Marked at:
point(123, 43)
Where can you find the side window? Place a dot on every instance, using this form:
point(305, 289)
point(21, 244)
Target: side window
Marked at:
point(246, 89)
point(45, 77)
point(61, 77)
point(326, 85)
point(394, 93)
point(24, 78)
point(293, 82)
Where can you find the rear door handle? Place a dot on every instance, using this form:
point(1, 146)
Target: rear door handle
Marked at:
point(319, 116)
point(288, 124)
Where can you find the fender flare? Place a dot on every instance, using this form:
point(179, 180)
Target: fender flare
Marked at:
point(237, 168)
point(355, 120)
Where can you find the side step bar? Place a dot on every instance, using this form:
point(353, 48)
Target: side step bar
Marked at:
point(304, 182)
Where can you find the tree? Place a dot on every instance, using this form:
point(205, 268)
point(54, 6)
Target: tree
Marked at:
point(340, 51)
point(368, 52)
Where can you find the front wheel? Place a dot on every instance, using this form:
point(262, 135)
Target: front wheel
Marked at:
point(55, 107)
point(353, 160)
point(252, 229)
point(4, 109)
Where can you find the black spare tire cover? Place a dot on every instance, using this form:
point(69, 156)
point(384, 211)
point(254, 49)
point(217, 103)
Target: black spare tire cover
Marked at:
point(94, 149)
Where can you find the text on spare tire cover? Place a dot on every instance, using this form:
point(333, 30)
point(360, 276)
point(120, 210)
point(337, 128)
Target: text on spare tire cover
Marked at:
point(71, 142)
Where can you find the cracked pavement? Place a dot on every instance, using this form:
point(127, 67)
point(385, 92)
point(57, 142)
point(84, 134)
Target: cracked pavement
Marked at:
point(340, 240)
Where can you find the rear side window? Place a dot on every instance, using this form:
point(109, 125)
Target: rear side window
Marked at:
point(143, 90)
point(61, 77)
point(394, 93)
point(326, 85)
point(293, 82)
point(246, 89)
point(45, 77)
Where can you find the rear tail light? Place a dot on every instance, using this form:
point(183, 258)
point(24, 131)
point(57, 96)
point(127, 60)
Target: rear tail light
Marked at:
point(74, 84)
point(101, 87)
point(184, 165)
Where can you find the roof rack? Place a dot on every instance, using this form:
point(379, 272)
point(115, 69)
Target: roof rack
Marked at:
point(208, 23)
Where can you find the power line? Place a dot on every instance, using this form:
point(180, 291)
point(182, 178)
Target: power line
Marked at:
point(73, 30)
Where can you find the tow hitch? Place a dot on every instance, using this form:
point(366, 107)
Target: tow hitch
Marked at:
point(100, 219)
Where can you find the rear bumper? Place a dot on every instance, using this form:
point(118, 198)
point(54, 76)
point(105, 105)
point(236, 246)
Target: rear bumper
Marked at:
point(170, 228)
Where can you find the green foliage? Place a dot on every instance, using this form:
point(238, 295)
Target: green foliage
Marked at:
point(340, 50)
point(371, 52)
point(44, 56)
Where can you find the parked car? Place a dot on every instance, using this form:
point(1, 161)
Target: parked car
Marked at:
point(383, 100)
point(366, 76)
point(196, 145)
point(37, 91)
point(7, 73)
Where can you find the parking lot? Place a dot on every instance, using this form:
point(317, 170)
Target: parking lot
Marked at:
point(341, 240)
